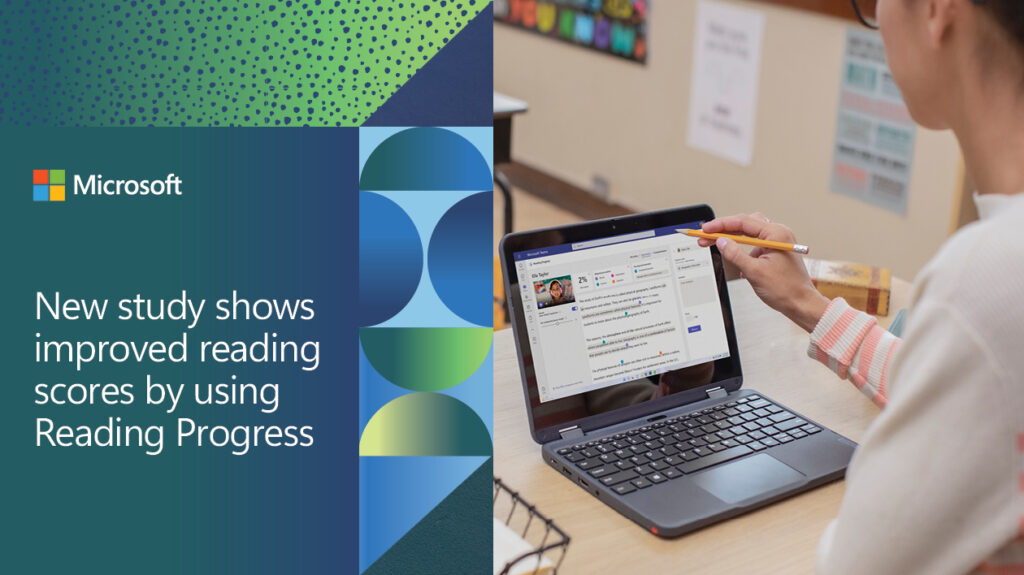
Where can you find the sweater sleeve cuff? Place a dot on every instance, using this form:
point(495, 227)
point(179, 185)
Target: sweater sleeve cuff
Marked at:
point(838, 335)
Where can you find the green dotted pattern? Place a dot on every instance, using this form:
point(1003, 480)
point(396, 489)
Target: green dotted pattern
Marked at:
point(214, 63)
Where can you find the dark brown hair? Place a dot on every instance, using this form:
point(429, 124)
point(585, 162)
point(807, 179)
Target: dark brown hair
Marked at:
point(1009, 14)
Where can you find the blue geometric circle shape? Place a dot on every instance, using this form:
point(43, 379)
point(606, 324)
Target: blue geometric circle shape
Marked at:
point(390, 258)
point(460, 259)
point(426, 159)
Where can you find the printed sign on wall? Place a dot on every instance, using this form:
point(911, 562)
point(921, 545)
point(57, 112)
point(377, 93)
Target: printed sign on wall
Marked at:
point(617, 27)
point(874, 146)
point(723, 88)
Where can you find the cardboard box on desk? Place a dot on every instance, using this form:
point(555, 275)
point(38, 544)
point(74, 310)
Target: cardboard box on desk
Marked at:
point(862, 286)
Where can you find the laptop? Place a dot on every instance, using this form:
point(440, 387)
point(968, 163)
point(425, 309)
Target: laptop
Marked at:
point(632, 375)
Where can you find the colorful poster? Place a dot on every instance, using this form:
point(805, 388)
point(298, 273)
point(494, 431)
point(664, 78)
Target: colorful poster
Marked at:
point(874, 147)
point(617, 27)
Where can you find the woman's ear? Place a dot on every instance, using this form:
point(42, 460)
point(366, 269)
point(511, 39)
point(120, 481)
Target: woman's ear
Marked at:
point(941, 14)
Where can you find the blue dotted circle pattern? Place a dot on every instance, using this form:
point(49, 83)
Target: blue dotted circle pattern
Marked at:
point(214, 63)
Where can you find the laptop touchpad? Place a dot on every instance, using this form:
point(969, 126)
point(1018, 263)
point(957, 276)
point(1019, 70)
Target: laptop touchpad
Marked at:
point(747, 478)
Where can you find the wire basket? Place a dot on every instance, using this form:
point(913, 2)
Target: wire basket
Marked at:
point(515, 511)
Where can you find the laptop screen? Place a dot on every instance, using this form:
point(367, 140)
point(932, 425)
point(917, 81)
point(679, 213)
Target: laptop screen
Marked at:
point(618, 321)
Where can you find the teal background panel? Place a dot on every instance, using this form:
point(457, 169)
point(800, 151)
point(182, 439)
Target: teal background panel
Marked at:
point(267, 212)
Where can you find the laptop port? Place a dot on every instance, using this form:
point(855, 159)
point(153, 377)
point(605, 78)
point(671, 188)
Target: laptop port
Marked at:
point(584, 483)
point(566, 471)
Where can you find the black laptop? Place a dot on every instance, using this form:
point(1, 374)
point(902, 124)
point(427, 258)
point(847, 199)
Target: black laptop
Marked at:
point(632, 376)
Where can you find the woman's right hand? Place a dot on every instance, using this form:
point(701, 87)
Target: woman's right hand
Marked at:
point(779, 278)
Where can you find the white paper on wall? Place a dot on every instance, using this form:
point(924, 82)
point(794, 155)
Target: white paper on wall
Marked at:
point(724, 85)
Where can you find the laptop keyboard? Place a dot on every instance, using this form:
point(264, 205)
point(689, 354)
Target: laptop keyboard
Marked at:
point(668, 449)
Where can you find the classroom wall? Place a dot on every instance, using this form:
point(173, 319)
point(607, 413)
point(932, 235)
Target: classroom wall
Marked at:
point(592, 114)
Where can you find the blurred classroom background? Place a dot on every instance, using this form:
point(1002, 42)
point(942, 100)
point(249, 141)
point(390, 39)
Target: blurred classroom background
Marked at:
point(605, 134)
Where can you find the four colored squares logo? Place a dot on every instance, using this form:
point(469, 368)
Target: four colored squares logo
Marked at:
point(48, 185)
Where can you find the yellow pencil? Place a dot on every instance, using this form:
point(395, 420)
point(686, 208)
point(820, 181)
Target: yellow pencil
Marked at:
point(798, 248)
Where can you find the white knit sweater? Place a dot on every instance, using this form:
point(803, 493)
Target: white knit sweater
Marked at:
point(937, 485)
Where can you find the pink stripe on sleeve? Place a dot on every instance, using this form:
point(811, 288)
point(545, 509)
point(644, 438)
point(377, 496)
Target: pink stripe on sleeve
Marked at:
point(880, 398)
point(858, 380)
point(822, 357)
point(867, 328)
point(833, 335)
point(867, 350)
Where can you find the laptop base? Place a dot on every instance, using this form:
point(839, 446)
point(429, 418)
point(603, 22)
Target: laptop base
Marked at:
point(681, 501)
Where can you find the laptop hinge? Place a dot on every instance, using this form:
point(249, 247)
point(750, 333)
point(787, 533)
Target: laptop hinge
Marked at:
point(716, 393)
point(571, 432)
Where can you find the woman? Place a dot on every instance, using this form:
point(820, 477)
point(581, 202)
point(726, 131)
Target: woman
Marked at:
point(937, 485)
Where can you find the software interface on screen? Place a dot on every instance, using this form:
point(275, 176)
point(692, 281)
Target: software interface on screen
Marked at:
point(607, 311)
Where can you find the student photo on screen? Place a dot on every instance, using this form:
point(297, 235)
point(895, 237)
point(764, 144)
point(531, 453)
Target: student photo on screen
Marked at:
point(554, 292)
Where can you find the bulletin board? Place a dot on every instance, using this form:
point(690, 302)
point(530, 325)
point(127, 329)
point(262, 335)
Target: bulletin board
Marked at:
point(614, 27)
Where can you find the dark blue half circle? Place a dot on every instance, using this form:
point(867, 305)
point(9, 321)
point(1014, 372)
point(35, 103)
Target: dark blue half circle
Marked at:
point(460, 259)
point(390, 258)
point(427, 159)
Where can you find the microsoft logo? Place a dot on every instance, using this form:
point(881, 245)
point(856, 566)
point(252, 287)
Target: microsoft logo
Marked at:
point(48, 185)
point(51, 186)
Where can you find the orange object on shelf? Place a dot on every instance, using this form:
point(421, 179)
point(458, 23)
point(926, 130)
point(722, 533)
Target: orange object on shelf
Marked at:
point(864, 287)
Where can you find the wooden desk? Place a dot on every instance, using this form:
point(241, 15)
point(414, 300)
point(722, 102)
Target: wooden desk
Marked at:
point(780, 538)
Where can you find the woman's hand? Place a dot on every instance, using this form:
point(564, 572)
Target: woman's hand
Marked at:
point(779, 278)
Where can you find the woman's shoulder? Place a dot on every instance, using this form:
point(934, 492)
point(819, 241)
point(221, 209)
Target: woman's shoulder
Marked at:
point(979, 271)
point(986, 247)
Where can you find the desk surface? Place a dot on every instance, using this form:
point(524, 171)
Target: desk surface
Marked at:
point(780, 538)
point(507, 105)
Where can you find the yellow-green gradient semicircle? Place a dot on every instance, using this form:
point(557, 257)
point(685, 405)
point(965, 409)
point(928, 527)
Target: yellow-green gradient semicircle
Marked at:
point(425, 424)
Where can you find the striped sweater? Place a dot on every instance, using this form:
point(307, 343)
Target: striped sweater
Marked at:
point(937, 485)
